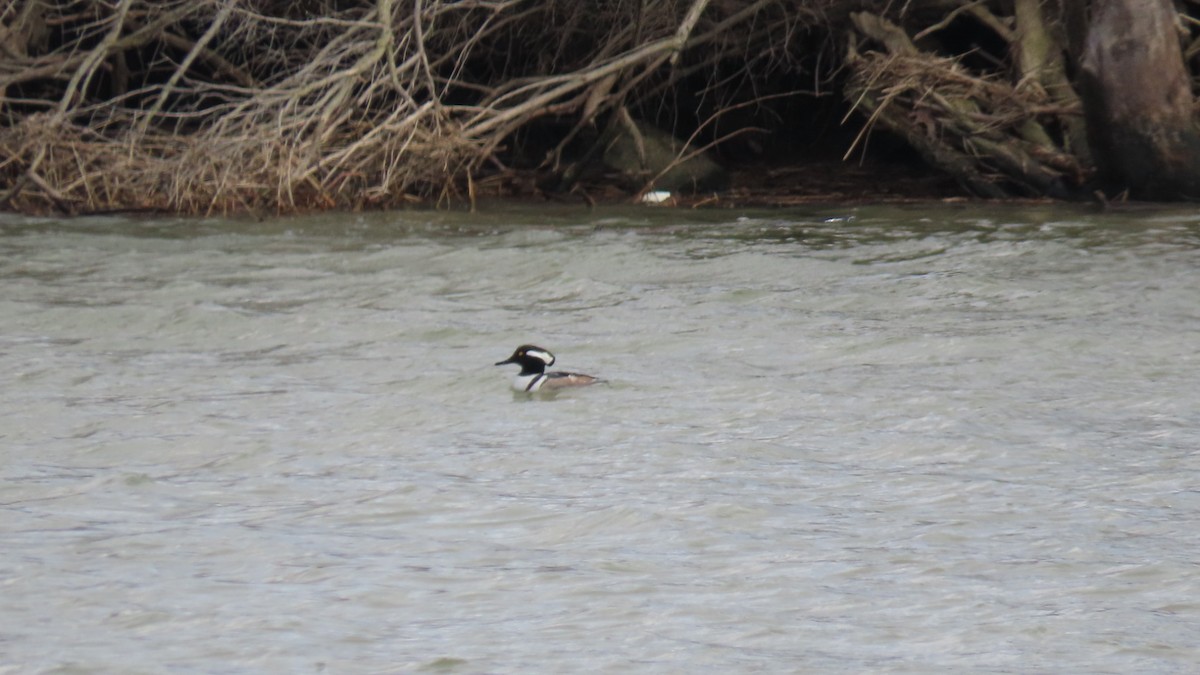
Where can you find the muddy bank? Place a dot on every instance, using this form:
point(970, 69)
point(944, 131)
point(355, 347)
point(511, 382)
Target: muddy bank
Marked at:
point(756, 185)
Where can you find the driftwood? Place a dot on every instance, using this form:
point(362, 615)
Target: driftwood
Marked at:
point(994, 136)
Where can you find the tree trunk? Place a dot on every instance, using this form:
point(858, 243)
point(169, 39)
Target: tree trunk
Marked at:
point(1138, 102)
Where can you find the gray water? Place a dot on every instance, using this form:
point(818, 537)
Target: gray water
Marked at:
point(938, 439)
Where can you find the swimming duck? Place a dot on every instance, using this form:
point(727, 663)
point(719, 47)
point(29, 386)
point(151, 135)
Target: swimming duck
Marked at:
point(533, 376)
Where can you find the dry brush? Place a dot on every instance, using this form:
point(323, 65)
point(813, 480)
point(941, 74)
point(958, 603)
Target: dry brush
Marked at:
point(232, 105)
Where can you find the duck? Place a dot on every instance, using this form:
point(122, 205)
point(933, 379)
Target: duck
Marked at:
point(533, 376)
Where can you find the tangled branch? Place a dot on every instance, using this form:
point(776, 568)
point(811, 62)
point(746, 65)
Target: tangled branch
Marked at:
point(222, 105)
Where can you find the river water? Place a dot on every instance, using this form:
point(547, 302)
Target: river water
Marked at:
point(935, 439)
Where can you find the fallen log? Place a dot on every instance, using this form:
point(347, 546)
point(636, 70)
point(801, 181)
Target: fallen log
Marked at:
point(988, 133)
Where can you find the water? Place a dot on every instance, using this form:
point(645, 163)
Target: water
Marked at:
point(947, 439)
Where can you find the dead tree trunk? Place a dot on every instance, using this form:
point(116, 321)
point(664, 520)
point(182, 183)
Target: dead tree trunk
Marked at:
point(1138, 101)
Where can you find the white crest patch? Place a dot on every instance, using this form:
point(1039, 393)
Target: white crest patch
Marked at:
point(541, 355)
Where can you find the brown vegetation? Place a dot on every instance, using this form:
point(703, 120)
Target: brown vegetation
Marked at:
point(202, 105)
point(996, 136)
point(266, 105)
point(1063, 98)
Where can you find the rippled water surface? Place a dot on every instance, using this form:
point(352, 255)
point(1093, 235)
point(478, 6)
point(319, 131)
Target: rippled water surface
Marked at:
point(941, 439)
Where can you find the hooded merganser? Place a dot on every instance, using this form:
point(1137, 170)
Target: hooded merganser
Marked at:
point(533, 376)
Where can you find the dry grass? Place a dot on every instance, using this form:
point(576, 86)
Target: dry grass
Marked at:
point(203, 106)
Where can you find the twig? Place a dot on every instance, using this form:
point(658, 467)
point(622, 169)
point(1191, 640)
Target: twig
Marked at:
point(950, 17)
point(686, 27)
point(217, 22)
point(419, 38)
point(83, 75)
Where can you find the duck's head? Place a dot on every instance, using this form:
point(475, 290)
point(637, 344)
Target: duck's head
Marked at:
point(530, 358)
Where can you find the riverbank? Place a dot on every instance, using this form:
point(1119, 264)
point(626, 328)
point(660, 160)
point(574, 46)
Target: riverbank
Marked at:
point(766, 185)
point(198, 108)
point(824, 181)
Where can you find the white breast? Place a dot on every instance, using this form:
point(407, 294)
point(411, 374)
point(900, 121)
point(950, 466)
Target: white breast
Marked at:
point(522, 382)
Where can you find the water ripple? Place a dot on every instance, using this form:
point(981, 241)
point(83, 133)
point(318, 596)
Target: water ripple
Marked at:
point(916, 439)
